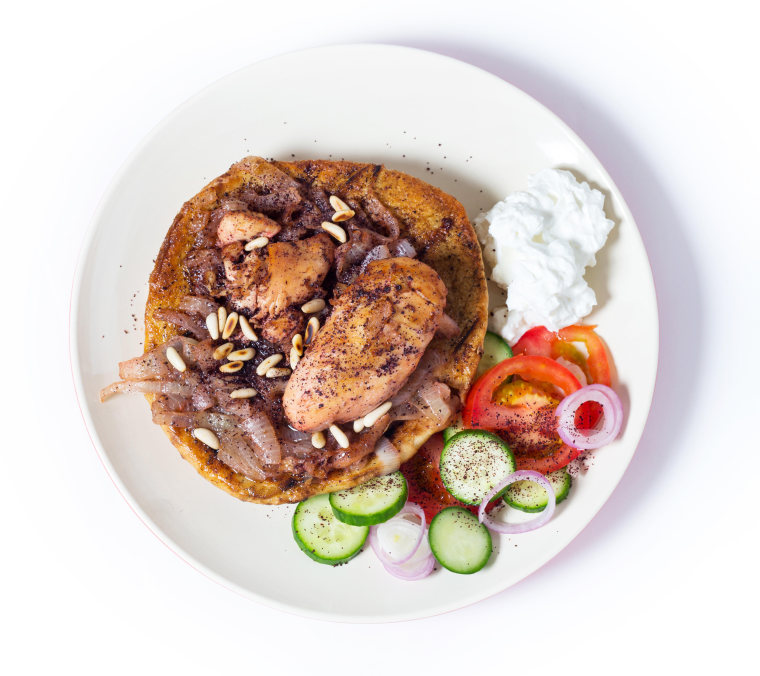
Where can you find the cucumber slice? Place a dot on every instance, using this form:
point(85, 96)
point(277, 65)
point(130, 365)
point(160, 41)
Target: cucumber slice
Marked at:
point(372, 502)
point(455, 427)
point(472, 463)
point(495, 350)
point(528, 496)
point(459, 541)
point(321, 536)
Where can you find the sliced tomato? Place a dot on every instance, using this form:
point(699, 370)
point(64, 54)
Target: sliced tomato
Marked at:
point(596, 367)
point(541, 342)
point(523, 411)
point(480, 411)
point(423, 476)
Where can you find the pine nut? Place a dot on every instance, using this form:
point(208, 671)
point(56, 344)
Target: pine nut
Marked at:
point(175, 360)
point(294, 358)
point(221, 317)
point(338, 204)
point(242, 355)
point(311, 331)
point(358, 425)
point(278, 373)
point(206, 437)
point(298, 344)
point(212, 324)
point(247, 329)
point(340, 216)
point(318, 440)
point(231, 367)
point(373, 416)
point(315, 305)
point(339, 435)
point(258, 243)
point(335, 230)
point(243, 393)
point(222, 351)
point(268, 363)
point(230, 325)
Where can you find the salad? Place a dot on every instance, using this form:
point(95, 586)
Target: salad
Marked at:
point(541, 399)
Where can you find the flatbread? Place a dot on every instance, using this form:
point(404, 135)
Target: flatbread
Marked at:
point(434, 222)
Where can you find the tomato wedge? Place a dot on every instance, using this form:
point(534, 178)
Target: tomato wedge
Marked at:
point(528, 426)
point(539, 341)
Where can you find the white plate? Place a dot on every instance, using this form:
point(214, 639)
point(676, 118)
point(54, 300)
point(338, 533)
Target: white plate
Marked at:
point(449, 123)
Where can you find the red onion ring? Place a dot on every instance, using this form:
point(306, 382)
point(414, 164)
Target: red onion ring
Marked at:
point(415, 569)
point(374, 541)
point(612, 419)
point(514, 528)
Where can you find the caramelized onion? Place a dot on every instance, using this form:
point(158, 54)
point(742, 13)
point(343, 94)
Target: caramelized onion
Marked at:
point(376, 254)
point(437, 399)
point(198, 305)
point(388, 455)
point(235, 452)
point(146, 387)
point(403, 247)
point(184, 321)
point(261, 432)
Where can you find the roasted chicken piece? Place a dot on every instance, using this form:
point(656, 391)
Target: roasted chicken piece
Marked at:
point(243, 226)
point(273, 281)
point(368, 347)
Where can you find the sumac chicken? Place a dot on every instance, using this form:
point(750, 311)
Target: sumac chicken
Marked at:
point(309, 325)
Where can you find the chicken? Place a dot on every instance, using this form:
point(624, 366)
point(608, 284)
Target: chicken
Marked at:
point(368, 347)
point(271, 282)
point(243, 226)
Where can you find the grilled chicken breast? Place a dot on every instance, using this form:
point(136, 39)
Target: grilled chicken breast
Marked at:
point(368, 347)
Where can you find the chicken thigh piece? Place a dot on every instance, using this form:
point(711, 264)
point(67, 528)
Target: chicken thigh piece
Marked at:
point(272, 282)
point(368, 347)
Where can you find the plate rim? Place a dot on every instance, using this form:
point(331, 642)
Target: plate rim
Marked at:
point(89, 424)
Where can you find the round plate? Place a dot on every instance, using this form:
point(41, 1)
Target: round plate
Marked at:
point(456, 126)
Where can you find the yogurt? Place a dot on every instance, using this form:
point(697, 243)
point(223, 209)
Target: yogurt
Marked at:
point(537, 245)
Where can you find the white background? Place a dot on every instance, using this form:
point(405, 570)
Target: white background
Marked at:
point(665, 94)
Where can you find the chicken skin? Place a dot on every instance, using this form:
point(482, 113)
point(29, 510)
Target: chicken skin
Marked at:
point(243, 225)
point(368, 347)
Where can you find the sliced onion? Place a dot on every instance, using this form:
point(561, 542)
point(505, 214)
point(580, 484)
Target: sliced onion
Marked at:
point(184, 321)
point(146, 387)
point(399, 527)
point(514, 528)
point(198, 305)
point(404, 249)
point(612, 419)
point(236, 453)
point(261, 431)
point(377, 254)
point(292, 434)
point(437, 397)
point(152, 364)
point(415, 561)
point(417, 568)
point(388, 455)
point(202, 398)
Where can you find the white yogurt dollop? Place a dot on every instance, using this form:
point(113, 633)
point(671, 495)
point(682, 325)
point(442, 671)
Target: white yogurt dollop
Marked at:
point(538, 245)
